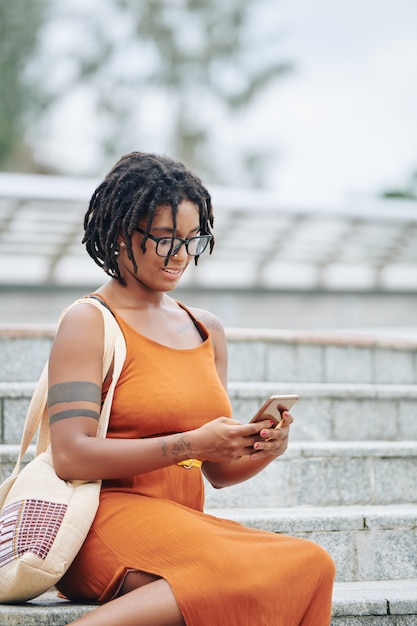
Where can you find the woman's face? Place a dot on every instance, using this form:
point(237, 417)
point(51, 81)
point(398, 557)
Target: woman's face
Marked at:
point(153, 272)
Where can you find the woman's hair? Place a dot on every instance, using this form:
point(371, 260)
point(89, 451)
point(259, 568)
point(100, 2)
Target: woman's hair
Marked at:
point(134, 188)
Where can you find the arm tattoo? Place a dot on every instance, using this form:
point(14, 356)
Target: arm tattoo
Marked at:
point(74, 391)
point(181, 447)
point(164, 448)
point(210, 321)
point(180, 450)
point(62, 415)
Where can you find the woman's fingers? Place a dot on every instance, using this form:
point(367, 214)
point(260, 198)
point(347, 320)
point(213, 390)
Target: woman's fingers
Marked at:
point(274, 441)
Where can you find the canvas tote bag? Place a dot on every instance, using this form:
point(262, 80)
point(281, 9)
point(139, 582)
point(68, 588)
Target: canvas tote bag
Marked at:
point(44, 520)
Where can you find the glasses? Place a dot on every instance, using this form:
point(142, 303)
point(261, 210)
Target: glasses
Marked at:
point(168, 246)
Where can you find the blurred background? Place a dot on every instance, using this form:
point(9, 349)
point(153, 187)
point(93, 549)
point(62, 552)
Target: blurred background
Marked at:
point(300, 117)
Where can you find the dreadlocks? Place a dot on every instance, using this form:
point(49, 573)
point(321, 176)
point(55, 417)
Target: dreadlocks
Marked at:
point(134, 189)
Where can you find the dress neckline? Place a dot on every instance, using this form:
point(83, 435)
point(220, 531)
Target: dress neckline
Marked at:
point(201, 329)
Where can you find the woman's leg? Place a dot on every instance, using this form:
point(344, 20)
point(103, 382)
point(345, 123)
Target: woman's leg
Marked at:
point(141, 604)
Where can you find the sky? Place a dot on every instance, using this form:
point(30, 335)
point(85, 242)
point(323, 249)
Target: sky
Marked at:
point(343, 123)
point(346, 120)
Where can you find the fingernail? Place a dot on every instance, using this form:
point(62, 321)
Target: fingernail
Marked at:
point(264, 433)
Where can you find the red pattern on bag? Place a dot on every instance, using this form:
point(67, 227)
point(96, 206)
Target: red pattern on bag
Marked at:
point(29, 526)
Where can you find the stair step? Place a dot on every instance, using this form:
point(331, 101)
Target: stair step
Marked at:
point(24, 351)
point(317, 356)
point(337, 411)
point(371, 603)
point(366, 542)
point(8, 457)
point(14, 402)
point(330, 474)
point(315, 474)
point(375, 603)
point(46, 610)
point(325, 411)
point(255, 354)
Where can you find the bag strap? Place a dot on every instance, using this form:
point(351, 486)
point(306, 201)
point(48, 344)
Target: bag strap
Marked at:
point(114, 351)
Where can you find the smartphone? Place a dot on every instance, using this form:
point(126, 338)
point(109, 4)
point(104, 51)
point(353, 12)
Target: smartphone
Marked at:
point(274, 407)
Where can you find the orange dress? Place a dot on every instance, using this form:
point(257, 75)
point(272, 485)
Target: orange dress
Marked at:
point(221, 572)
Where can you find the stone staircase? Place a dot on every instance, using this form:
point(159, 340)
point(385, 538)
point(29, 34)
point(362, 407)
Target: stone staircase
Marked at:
point(348, 480)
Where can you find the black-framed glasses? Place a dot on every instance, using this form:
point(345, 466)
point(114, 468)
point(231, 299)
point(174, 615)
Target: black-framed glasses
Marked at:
point(168, 246)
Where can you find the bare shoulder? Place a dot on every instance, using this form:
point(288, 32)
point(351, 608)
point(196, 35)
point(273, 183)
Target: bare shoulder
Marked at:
point(82, 313)
point(77, 350)
point(82, 326)
point(218, 336)
point(210, 321)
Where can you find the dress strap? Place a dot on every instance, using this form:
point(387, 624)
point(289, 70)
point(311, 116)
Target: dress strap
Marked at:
point(95, 297)
point(196, 323)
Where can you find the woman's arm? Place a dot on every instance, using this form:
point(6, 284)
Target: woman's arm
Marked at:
point(74, 399)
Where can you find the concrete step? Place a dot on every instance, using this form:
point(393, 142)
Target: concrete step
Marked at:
point(24, 351)
point(337, 411)
point(316, 474)
point(255, 355)
point(375, 603)
point(372, 603)
point(318, 356)
point(366, 542)
point(324, 412)
point(8, 457)
point(330, 474)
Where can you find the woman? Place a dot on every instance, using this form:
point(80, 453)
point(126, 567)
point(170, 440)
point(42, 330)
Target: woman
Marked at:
point(152, 557)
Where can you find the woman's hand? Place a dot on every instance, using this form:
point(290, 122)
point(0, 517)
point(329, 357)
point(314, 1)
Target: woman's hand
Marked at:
point(233, 452)
point(225, 440)
point(273, 441)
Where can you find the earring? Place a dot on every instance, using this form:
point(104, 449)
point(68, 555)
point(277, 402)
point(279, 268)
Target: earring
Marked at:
point(122, 244)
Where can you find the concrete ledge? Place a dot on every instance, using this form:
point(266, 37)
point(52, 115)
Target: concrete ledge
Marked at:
point(309, 519)
point(346, 337)
point(262, 355)
point(372, 603)
point(329, 474)
point(23, 357)
point(316, 474)
point(46, 610)
point(341, 337)
point(396, 600)
point(325, 411)
point(322, 361)
point(337, 411)
point(20, 331)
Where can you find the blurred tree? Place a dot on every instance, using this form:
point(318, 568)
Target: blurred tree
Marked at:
point(21, 95)
point(180, 68)
point(204, 59)
point(206, 55)
point(407, 192)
